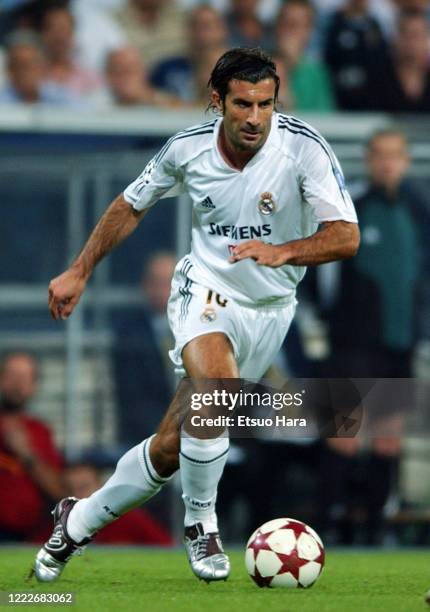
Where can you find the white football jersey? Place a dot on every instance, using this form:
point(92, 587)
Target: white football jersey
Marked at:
point(292, 184)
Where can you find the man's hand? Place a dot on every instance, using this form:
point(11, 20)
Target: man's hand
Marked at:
point(263, 254)
point(333, 241)
point(64, 293)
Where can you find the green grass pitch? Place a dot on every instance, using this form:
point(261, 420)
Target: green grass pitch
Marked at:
point(161, 581)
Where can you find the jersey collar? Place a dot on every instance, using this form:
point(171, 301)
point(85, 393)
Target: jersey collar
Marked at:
point(263, 152)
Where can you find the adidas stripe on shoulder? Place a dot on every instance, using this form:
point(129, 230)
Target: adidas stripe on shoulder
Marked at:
point(204, 128)
point(299, 127)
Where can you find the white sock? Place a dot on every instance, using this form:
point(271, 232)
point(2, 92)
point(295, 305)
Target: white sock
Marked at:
point(201, 463)
point(133, 483)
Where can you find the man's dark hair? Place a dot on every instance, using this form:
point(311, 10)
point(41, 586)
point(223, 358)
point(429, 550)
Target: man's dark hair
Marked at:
point(53, 6)
point(411, 13)
point(243, 64)
point(307, 4)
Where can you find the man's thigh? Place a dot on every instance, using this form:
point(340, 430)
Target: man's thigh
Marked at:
point(198, 312)
point(210, 356)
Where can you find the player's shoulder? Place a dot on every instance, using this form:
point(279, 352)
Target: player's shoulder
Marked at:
point(298, 135)
point(198, 131)
point(191, 142)
point(302, 142)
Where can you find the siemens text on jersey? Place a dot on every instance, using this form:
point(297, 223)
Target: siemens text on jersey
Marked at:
point(241, 232)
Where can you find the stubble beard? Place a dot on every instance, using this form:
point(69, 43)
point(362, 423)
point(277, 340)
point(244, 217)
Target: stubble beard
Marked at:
point(249, 147)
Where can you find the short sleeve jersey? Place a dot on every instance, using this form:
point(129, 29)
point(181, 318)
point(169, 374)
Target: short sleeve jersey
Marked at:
point(290, 186)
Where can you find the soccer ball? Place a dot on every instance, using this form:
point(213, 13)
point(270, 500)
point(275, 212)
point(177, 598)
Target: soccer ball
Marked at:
point(284, 553)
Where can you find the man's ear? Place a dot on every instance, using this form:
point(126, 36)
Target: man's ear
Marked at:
point(216, 101)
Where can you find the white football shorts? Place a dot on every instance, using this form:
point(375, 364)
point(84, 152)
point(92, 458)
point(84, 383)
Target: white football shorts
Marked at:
point(256, 334)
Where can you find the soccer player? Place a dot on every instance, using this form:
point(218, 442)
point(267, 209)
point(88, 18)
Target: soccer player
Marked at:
point(268, 199)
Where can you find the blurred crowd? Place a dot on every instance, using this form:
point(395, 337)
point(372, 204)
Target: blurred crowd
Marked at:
point(348, 55)
point(34, 474)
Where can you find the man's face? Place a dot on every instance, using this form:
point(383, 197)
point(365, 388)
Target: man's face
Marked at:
point(295, 22)
point(247, 110)
point(57, 32)
point(412, 40)
point(125, 74)
point(18, 382)
point(81, 481)
point(25, 70)
point(157, 282)
point(388, 160)
point(207, 29)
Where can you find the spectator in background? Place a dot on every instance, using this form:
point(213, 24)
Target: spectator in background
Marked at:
point(373, 327)
point(202, 72)
point(305, 84)
point(388, 17)
point(128, 83)
point(377, 334)
point(143, 375)
point(135, 527)
point(353, 43)
point(156, 28)
point(96, 31)
point(245, 27)
point(25, 70)
point(57, 35)
point(30, 464)
point(183, 75)
point(403, 83)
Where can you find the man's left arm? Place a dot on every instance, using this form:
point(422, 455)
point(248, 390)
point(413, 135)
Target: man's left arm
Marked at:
point(323, 189)
point(335, 240)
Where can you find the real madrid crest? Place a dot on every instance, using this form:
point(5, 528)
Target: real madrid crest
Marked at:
point(266, 205)
point(208, 315)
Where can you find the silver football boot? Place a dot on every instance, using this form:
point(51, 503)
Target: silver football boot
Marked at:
point(205, 554)
point(56, 552)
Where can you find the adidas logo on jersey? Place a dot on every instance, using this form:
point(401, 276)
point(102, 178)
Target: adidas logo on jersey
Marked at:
point(207, 203)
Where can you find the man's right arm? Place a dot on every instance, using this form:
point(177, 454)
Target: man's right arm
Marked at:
point(122, 217)
point(118, 222)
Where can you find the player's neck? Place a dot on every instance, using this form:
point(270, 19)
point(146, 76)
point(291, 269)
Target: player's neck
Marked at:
point(234, 157)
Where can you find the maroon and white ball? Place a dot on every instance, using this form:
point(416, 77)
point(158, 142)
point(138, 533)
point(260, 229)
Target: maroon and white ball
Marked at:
point(284, 553)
